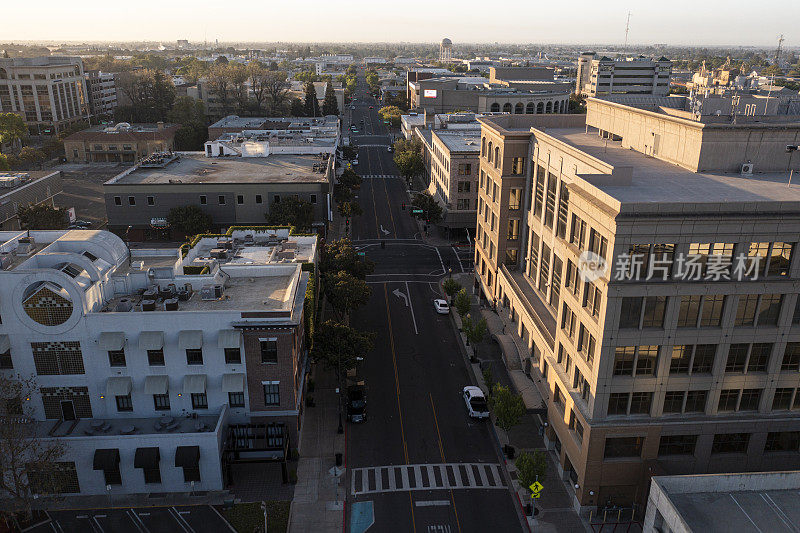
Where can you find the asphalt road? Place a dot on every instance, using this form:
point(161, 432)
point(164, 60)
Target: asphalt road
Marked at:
point(418, 461)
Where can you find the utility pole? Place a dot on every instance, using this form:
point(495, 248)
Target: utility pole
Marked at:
point(627, 29)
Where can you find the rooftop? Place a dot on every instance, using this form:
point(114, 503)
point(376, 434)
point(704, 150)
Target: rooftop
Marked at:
point(195, 167)
point(12, 181)
point(124, 131)
point(274, 123)
point(460, 141)
point(120, 427)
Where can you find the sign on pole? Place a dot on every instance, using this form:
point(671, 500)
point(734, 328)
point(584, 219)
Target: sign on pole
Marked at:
point(416, 211)
point(536, 490)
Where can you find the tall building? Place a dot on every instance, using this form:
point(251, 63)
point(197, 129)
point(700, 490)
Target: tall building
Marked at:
point(101, 87)
point(648, 262)
point(446, 50)
point(632, 75)
point(48, 92)
point(157, 370)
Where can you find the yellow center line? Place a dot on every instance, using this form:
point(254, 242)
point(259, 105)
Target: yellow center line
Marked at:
point(385, 188)
point(374, 207)
point(397, 390)
point(444, 461)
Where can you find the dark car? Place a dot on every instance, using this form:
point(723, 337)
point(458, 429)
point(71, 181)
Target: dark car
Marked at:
point(357, 403)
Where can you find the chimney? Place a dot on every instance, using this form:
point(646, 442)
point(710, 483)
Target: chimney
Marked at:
point(160, 125)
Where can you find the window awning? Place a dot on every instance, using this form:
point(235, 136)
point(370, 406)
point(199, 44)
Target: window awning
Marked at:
point(106, 459)
point(194, 384)
point(5, 344)
point(156, 384)
point(190, 339)
point(111, 340)
point(118, 386)
point(151, 340)
point(147, 458)
point(229, 338)
point(232, 382)
point(187, 456)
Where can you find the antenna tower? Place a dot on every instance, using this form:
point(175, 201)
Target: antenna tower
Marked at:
point(627, 29)
point(778, 51)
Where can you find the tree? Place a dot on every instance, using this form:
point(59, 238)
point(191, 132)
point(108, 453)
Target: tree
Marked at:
point(30, 462)
point(329, 105)
point(297, 109)
point(4, 164)
point(42, 216)
point(507, 406)
point(475, 331)
point(409, 163)
point(239, 77)
point(311, 104)
point(431, 210)
point(350, 179)
point(349, 209)
point(345, 293)
point(12, 128)
point(392, 114)
point(277, 90)
point(256, 74)
point(337, 346)
point(451, 287)
point(191, 115)
point(340, 255)
point(531, 467)
point(189, 219)
point(31, 156)
point(772, 70)
point(291, 211)
point(151, 94)
point(462, 303)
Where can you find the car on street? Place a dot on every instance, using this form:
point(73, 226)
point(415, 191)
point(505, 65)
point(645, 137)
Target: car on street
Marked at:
point(357, 402)
point(353, 130)
point(441, 306)
point(477, 407)
point(372, 107)
point(352, 107)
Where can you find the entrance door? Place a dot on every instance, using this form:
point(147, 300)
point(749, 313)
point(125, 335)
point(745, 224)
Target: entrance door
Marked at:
point(68, 410)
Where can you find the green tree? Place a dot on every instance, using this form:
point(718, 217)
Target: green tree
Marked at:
point(291, 211)
point(508, 407)
point(345, 293)
point(31, 156)
point(191, 115)
point(189, 219)
point(276, 87)
point(409, 164)
point(296, 108)
point(329, 105)
point(151, 95)
point(462, 303)
point(350, 179)
point(311, 104)
point(340, 255)
point(451, 287)
point(531, 467)
point(772, 70)
point(350, 209)
point(42, 216)
point(431, 210)
point(337, 346)
point(4, 164)
point(475, 331)
point(392, 114)
point(12, 128)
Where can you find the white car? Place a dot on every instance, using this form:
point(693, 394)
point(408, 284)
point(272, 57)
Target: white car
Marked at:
point(441, 307)
point(477, 407)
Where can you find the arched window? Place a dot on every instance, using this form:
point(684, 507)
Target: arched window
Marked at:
point(496, 157)
point(540, 108)
point(519, 108)
point(530, 109)
point(489, 155)
point(556, 107)
point(495, 107)
point(549, 107)
point(507, 107)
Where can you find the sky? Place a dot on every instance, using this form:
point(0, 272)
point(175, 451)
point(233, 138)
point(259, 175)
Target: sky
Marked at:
point(679, 22)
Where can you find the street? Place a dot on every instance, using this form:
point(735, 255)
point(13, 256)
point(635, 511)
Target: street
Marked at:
point(418, 463)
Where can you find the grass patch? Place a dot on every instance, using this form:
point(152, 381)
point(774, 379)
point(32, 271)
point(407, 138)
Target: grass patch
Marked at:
point(249, 518)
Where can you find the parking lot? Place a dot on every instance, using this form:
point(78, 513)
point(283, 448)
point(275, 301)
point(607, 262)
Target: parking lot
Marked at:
point(187, 519)
point(83, 189)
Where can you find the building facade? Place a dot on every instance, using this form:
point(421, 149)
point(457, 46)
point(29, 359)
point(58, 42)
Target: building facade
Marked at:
point(655, 369)
point(454, 175)
point(101, 88)
point(49, 93)
point(635, 75)
point(18, 189)
point(121, 143)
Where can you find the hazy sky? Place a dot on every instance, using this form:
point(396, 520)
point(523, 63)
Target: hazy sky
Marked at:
point(712, 22)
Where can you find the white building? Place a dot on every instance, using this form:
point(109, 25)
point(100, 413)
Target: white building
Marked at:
point(631, 75)
point(158, 369)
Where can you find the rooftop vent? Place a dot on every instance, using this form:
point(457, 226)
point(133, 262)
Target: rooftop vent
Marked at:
point(171, 304)
point(211, 292)
point(148, 305)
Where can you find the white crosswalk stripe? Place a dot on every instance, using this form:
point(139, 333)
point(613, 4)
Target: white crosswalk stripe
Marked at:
point(397, 478)
point(379, 176)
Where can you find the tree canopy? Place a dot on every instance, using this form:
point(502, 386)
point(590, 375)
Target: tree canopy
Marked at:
point(338, 346)
point(189, 219)
point(190, 114)
point(507, 406)
point(151, 94)
point(329, 105)
point(291, 211)
point(345, 293)
point(12, 128)
point(42, 216)
point(340, 255)
point(311, 104)
point(431, 210)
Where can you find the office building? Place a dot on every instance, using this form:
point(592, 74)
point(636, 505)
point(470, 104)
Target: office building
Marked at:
point(19, 189)
point(630, 75)
point(101, 87)
point(49, 93)
point(122, 142)
point(157, 370)
point(649, 264)
point(237, 189)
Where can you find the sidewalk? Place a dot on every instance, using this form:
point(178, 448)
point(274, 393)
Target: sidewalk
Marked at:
point(318, 503)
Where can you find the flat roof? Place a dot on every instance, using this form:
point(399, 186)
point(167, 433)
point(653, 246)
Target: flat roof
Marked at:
point(142, 425)
point(195, 167)
point(235, 121)
point(22, 179)
point(656, 181)
point(460, 141)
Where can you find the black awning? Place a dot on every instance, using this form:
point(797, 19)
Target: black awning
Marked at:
point(106, 459)
point(147, 458)
point(187, 456)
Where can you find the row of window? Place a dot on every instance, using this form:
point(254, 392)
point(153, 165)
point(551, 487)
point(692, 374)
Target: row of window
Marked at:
point(161, 402)
point(194, 356)
point(221, 199)
point(628, 447)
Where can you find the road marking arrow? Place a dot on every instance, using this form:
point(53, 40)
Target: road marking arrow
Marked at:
point(384, 231)
point(400, 294)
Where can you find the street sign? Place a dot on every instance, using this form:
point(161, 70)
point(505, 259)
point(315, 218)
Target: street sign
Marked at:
point(536, 487)
point(535, 495)
point(362, 254)
point(416, 211)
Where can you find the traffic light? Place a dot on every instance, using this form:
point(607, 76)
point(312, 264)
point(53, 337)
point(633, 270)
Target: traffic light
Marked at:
point(403, 206)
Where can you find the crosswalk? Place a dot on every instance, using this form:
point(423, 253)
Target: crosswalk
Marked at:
point(379, 176)
point(397, 478)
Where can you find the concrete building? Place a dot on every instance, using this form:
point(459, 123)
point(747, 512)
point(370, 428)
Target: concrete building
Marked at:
point(719, 503)
point(25, 188)
point(101, 87)
point(661, 369)
point(49, 93)
point(631, 75)
point(408, 123)
point(233, 190)
point(453, 175)
point(446, 51)
point(156, 369)
point(310, 126)
point(123, 142)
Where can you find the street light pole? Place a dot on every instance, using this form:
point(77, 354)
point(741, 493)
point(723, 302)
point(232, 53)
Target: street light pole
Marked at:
point(264, 508)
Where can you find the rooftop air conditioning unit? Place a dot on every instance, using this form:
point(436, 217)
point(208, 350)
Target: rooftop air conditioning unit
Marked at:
point(747, 169)
point(171, 304)
point(211, 292)
point(148, 305)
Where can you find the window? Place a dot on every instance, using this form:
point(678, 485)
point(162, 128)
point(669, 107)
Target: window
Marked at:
point(151, 200)
point(728, 399)
point(737, 358)
point(646, 357)
point(640, 403)
point(673, 401)
point(272, 393)
point(769, 308)
point(155, 357)
point(116, 357)
point(677, 445)
point(618, 403)
point(511, 256)
point(746, 311)
point(783, 441)
point(791, 357)
point(465, 169)
point(780, 258)
point(117, 200)
point(696, 401)
point(577, 234)
point(518, 166)
point(759, 357)
point(191, 474)
point(597, 243)
point(750, 400)
point(681, 359)
point(233, 356)
point(161, 402)
point(711, 315)
point(550, 203)
point(782, 399)
point(586, 343)
point(236, 399)
point(591, 298)
point(730, 443)
point(631, 311)
point(6, 362)
point(131, 200)
point(199, 400)
point(112, 476)
point(555, 282)
point(568, 321)
point(239, 199)
point(259, 199)
point(689, 311)
point(514, 198)
point(538, 198)
point(654, 307)
point(703, 359)
point(563, 210)
point(313, 199)
point(623, 447)
point(513, 229)
point(124, 403)
point(221, 199)
point(194, 356)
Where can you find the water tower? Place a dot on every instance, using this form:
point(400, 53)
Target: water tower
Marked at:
point(446, 50)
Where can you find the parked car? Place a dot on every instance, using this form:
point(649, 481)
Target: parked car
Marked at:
point(477, 407)
point(441, 306)
point(357, 403)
